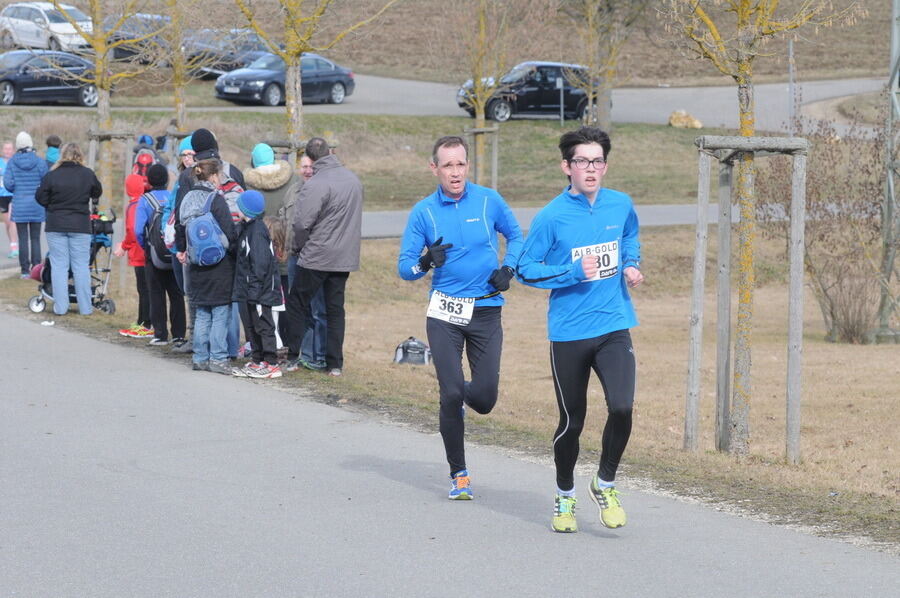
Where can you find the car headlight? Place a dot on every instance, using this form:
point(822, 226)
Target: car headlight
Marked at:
point(256, 83)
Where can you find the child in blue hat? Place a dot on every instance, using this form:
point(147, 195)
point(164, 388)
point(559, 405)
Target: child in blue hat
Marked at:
point(257, 286)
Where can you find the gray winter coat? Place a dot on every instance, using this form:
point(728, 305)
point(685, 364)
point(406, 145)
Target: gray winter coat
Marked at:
point(328, 219)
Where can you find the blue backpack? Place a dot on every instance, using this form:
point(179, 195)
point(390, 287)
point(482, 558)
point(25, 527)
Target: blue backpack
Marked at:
point(206, 243)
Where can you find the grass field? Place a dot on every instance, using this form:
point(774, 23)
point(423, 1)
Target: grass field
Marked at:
point(391, 154)
point(848, 482)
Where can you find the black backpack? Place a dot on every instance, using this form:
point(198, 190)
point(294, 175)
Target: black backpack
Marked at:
point(413, 351)
point(153, 235)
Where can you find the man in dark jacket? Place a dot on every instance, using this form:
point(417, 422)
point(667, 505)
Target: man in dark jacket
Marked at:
point(327, 234)
point(258, 286)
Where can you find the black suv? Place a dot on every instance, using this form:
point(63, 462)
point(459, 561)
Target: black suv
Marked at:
point(530, 88)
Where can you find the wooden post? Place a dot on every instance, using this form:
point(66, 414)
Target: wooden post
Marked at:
point(692, 401)
point(795, 309)
point(723, 311)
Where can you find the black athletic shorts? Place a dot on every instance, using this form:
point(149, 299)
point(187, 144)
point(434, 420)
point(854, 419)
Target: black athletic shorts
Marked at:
point(4, 204)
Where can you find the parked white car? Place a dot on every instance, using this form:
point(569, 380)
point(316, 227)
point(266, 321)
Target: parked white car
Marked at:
point(41, 25)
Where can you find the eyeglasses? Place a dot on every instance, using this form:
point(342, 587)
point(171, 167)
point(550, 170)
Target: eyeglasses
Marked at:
point(187, 154)
point(582, 163)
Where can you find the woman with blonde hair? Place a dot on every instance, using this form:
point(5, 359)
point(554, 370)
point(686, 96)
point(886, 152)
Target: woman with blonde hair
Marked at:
point(69, 192)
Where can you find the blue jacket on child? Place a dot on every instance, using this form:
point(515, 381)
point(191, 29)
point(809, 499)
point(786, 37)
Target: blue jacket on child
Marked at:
point(23, 176)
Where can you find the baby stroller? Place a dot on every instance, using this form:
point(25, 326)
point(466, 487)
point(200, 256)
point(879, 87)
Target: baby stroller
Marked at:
point(99, 264)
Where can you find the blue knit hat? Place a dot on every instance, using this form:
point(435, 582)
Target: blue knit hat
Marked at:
point(262, 155)
point(251, 203)
point(185, 144)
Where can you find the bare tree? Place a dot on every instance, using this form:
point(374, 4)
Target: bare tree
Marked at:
point(300, 22)
point(482, 35)
point(603, 26)
point(731, 34)
point(103, 38)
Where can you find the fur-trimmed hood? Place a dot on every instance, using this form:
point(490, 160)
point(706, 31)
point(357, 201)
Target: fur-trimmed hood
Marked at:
point(269, 177)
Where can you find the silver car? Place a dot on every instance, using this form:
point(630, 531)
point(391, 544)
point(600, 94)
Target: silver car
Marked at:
point(41, 25)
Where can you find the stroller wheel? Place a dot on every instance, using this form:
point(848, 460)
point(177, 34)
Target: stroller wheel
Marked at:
point(107, 306)
point(37, 304)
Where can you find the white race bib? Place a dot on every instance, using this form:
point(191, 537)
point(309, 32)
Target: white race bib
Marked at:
point(609, 258)
point(456, 310)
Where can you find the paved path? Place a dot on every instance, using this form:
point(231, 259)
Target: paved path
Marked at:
point(222, 487)
point(714, 106)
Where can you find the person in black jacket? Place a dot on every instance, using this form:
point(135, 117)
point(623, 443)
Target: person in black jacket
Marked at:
point(68, 193)
point(209, 287)
point(257, 285)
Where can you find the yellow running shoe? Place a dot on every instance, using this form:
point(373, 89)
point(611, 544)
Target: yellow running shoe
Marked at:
point(612, 514)
point(564, 515)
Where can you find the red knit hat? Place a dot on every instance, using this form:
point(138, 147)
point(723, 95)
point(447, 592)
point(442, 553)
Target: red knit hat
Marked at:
point(135, 185)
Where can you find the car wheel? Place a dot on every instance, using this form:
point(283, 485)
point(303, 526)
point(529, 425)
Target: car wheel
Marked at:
point(7, 93)
point(88, 96)
point(6, 41)
point(272, 95)
point(337, 94)
point(54, 45)
point(499, 110)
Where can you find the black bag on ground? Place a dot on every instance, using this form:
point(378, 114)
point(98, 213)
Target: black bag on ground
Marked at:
point(413, 351)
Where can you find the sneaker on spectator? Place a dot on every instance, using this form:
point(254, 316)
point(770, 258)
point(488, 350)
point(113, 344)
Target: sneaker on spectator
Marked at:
point(199, 366)
point(185, 346)
point(335, 372)
point(158, 342)
point(244, 371)
point(220, 367)
point(265, 370)
point(136, 331)
point(292, 365)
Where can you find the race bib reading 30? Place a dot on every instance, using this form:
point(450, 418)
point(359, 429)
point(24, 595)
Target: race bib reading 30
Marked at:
point(608, 253)
point(456, 310)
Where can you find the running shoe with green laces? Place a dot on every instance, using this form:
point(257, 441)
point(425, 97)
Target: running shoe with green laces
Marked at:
point(564, 515)
point(459, 486)
point(612, 515)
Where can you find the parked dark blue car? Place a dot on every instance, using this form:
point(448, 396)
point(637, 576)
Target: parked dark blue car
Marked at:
point(262, 81)
point(37, 76)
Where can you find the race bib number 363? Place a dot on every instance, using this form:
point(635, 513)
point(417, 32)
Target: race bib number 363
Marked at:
point(608, 253)
point(456, 310)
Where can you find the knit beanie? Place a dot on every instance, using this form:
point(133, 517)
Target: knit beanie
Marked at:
point(23, 140)
point(134, 185)
point(185, 144)
point(262, 155)
point(145, 140)
point(52, 154)
point(205, 144)
point(158, 176)
point(251, 203)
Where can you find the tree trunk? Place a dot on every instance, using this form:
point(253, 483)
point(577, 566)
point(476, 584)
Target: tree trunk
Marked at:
point(293, 101)
point(741, 393)
point(604, 107)
point(104, 123)
point(480, 148)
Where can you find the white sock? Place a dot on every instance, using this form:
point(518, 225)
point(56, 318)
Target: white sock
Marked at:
point(604, 483)
point(568, 493)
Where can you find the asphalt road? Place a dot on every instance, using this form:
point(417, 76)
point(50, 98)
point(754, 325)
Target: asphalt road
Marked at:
point(111, 486)
point(714, 106)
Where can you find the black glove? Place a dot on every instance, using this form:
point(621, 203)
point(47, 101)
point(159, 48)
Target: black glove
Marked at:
point(500, 278)
point(435, 255)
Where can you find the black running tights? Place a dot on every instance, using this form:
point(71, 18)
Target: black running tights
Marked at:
point(611, 356)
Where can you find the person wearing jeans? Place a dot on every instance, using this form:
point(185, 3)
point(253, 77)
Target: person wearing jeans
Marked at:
point(68, 193)
point(70, 251)
point(210, 332)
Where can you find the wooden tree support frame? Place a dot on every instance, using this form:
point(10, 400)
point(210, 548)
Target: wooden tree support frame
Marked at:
point(493, 134)
point(94, 139)
point(725, 150)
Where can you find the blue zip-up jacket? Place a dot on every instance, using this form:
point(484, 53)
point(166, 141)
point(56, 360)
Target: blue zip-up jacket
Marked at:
point(566, 229)
point(145, 213)
point(23, 175)
point(471, 224)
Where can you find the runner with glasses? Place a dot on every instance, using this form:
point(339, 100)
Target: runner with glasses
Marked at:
point(584, 246)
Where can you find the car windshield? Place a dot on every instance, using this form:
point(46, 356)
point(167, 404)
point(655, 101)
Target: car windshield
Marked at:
point(517, 73)
point(57, 17)
point(10, 61)
point(270, 62)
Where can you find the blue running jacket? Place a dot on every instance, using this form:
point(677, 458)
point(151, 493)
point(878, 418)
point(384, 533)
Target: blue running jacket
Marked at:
point(471, 224)
point(564, 231)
